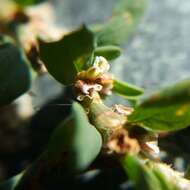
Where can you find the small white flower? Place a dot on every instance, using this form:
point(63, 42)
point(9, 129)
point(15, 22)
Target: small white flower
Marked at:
point(154, 146)
point(101, 65)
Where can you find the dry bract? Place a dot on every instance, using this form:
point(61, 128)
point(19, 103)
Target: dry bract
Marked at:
point(121, 143)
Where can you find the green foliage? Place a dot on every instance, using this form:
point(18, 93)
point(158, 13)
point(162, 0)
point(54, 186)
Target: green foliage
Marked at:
point(64, 57)
point(134, 8)
point(142, 177)
point(109, 52)
point(126, 90)
point(167, 110)
point(165, 185)
point(14, 72)
point(123, 22)
point(77, 139)
point(145, 177)
point(115, 32)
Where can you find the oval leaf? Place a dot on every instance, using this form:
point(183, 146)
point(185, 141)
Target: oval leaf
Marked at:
point(125, 18)
point(14, 73)
point(61, 57)
point(167, 110)
point(77, 139)
point(109, 52)
point(147, 177)
point(140, 174)
point(126, 90)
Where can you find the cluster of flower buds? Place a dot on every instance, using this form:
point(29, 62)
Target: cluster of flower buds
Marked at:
point(96, 78)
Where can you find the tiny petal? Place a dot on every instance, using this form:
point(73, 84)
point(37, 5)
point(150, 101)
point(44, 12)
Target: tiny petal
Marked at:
point(153, 145)
point(87, 88)
point(124, 110)
point(101, 64)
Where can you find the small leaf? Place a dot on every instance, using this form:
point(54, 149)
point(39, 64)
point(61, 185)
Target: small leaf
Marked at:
point(165, 184)
point(115, 32)
point(135, 8)
point(77, 139)
point(61, 57)
point(179, 92)
point(140, 174)
point(109, 52)
point(14, 73)
point(126, 90)
point(167, 110)
point(118, 29)
point(148, 176)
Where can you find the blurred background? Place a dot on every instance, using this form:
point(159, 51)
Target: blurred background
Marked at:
point(157, 54)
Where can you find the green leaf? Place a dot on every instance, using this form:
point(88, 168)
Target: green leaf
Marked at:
point(24, 3)
point(77, 140)
point(146, 176)
point(140, 174)
point(126, 90)
point(14, 73)
point(64, 57)
point(165, 184)
point(119, 28)
point(134, 8)
point(109, 52)
point(167, 110)
point(114, 32)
